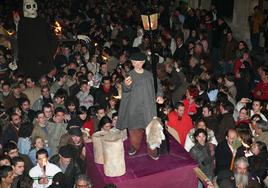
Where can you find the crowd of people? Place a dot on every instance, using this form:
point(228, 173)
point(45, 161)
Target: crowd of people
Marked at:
point(215, 94)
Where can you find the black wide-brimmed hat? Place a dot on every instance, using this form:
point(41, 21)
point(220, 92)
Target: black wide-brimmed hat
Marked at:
point(138, 57)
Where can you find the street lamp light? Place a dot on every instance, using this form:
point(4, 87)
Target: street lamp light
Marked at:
point(150, 23)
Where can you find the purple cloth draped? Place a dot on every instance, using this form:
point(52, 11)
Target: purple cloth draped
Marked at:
point(171, 170)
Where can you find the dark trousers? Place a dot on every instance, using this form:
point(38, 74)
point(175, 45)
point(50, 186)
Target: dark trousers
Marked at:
point(255, 40)
point(135, 137)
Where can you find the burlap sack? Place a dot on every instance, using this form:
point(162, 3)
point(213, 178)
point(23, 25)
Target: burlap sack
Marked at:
point(114, 158)
point(97, 146)
point(122, 132)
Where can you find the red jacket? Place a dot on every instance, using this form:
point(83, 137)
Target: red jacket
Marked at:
point(89, 124)
point(263, 88)
point(182, 126)
point(190, 109)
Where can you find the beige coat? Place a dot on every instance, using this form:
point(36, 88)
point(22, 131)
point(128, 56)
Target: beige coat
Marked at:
point(33, 94)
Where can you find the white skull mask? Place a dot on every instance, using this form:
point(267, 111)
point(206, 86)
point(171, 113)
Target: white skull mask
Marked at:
point(29, 9)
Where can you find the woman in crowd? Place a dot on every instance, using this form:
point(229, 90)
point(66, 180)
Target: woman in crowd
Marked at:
point(37, 144)
point(190, 139)
point(201, 153)
point(246, 139)
point(105, 124)
point(258, 162)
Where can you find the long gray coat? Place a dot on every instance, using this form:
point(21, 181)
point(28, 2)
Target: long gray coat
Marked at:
point(138, 103)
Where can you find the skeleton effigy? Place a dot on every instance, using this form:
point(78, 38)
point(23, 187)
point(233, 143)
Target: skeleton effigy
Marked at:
point(35, 44)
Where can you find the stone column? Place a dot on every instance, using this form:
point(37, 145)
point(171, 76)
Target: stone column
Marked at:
point(239, 23)
point(193, 3)
point(206, 4)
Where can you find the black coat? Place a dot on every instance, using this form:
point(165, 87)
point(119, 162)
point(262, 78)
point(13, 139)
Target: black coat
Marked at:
point(102, 97)
point(223, 156)
point(202, 155)
point(181, 54)
point(212, 123)
point(227, 122)
point(71, 172)
point(37, 45)
point(10, 133)
point(258, 165)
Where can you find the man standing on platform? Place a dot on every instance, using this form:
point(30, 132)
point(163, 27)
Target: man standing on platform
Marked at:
point(138, 104)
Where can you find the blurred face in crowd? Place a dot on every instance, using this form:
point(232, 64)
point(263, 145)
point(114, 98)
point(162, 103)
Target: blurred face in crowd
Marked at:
point(17, 91)
point(83, 116)
point(232, 135)
point(241, 174)
point(138, 65)
point(45, 92)
point(18, 168)
point(63, 79)
point(78, 47)
point(180, 111)
point(255, 149)
point(13, 153)
point(168, 68)
point(71, 107)
point(48, 112)
point(114, 121)
point(201, 125)
point(107, 84)
point(106, 127)
point(65, 161)
point(101, 113)
point(39, 143)
point(104, 68)
point(229, 36)
point(66, 51)
point(15, 120)
point(76, 139)
point(41, 119)
point(43, 81)
point(42, 160)
point(112, 103)
point(83, 70)
point(22, 86)
point(243, 114)
point(201, 138)
point(25, 106)
point(59, 100)
point(179, 41)
point(84, 50)
point(90, 76)
point(82, 184)
point(85, 88)
point(256, 106)
point(59, 117)
point(6, 89)
point(9, 179)
point(198, 48)
point(29, 83)
point(206, 112)
point(192, 62)
point(241, 46)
